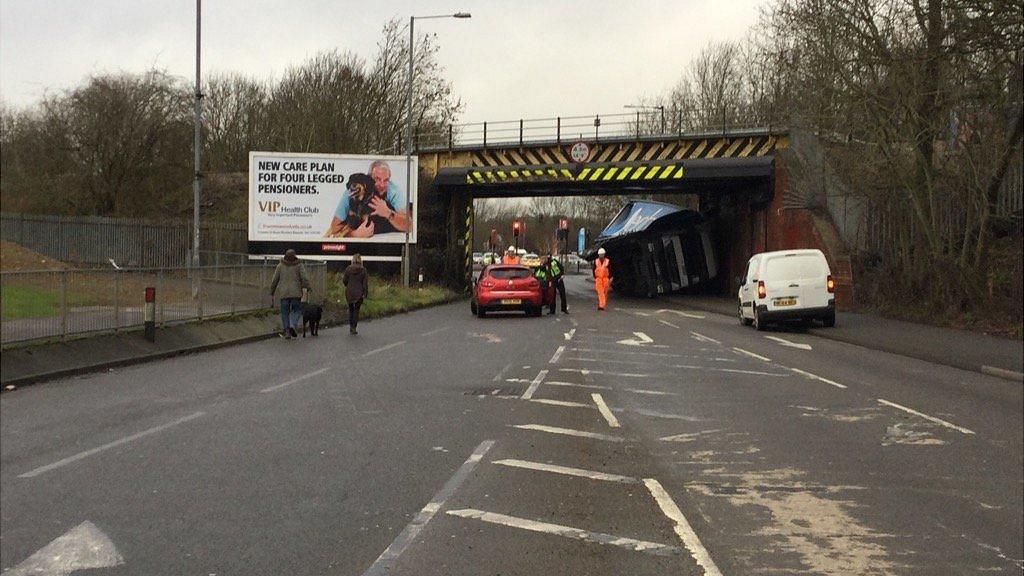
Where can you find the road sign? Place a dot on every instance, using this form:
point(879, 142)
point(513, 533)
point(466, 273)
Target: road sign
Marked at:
point(581, 241)
point(579, 152)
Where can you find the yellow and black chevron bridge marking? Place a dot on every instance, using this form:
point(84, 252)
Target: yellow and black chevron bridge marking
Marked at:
point(592, 174)
point(660, 151)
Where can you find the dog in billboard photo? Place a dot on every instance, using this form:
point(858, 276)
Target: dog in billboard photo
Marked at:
point(311, 314)
point(361, 192)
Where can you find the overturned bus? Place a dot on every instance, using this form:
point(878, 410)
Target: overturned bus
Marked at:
point(656, 248)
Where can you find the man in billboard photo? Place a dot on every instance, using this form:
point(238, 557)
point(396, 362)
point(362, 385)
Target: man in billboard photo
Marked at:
point(386, 207)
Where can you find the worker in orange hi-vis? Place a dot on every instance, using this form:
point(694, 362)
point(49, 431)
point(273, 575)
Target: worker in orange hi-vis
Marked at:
point(510, 256)
point(602, 278)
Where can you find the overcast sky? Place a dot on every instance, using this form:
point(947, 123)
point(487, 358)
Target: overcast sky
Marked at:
point(513, 59)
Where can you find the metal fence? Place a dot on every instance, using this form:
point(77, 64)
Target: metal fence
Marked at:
point(130, 242)
point(62, 303)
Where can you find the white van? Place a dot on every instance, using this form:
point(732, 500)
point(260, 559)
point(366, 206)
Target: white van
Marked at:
point(788, 285)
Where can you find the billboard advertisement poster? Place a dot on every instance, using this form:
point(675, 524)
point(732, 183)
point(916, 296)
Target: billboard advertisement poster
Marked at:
point(330, 206)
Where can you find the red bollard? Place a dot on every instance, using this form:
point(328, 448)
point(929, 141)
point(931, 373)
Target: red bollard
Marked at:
point(149, 315)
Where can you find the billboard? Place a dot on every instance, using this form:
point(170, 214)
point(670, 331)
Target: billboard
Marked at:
point(330, 206)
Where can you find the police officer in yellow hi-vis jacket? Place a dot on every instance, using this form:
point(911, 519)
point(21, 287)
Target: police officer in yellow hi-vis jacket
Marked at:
point(556, 272)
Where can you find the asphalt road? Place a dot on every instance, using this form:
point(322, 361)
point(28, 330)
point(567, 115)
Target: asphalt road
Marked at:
point(638, 440)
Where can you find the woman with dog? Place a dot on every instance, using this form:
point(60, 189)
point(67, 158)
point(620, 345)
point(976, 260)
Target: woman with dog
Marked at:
point(357, 286)
point(288, 284)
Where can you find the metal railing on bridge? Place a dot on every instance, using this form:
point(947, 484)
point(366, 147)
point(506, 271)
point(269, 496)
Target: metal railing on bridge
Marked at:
point(652, 122)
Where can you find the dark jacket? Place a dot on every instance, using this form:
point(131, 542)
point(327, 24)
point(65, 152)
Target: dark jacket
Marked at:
point(356, 281)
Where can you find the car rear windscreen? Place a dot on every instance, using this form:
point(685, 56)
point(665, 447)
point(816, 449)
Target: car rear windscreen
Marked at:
point(801, 267)
point(510, 273)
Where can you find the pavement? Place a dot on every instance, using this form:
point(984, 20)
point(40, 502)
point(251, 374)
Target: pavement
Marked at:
point(962, 349)
point(642, 440)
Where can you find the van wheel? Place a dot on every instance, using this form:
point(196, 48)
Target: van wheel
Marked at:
point(830, 320)
point(758, 324)
point(744, 321)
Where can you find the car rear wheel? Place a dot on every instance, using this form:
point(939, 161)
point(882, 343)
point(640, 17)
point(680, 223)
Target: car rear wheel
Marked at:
point(744, 321)
point(758, 324)
point(472, 307)
point(480, 312)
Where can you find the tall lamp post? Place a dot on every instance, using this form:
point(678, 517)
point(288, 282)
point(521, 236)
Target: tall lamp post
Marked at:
point(196, 182)
point(408, 134)
point(644, 107)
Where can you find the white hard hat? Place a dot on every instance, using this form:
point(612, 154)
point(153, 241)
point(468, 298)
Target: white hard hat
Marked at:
point(600, 252)
point(511, 249)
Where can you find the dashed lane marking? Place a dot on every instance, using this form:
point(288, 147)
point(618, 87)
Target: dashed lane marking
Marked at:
point(785, 342)
point(751, 354)
point(585, 372)
point(534, 385)
point(563, 403)
point(569, 432)
point(816, 377)
point(667, 323)
point(555, 469)
point(114, 444)
point(383, 348)
point(294, 380)
point(703, 338)
point(386, 561)
point(435, 331)
point(557, 355)
point(497, 377)
point(567, 532)
point(682, 527)
point(568, 335)
point(605, 411)
point(926, 417)
point(683, 314)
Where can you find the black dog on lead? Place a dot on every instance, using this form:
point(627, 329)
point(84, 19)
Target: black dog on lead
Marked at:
point(311, 314)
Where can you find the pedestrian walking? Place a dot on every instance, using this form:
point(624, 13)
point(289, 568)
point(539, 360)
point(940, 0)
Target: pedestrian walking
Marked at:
point(602, 278)
point(289, 284)
point(357, 286)
point(557, 272)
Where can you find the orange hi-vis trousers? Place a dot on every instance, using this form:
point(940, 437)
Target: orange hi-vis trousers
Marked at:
point(601, 274)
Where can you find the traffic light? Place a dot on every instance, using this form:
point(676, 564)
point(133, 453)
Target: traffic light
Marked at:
point(517, 227)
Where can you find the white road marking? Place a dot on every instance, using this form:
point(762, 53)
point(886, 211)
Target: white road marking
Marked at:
point(435, 331)
point(575, 385)
point(83, 547)
point(568, 432)
point(294, 380)
point(605, 411)
point(703, 338)
point(926, 417)
point(751, 354)
point(689, 436)
point(534, 385)
point(385, 562)
point(630, 311)
point(785, 342)
point(383, 348)
point(735, 371)
point(115, 443)
point(518, 380)
point(566, 531)
point(645, 353)
point(563, 403)
point(667, 323)
point(558, 354)
point(568, 335)
point(585, 372)
point(682, 528)
point(816, 377)
point(684, 314)
point(567, 471)
point(650, 392)
point(640, 340)
point(497, 377)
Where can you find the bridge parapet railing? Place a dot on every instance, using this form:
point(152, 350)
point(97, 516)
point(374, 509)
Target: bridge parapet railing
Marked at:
point(648, 123)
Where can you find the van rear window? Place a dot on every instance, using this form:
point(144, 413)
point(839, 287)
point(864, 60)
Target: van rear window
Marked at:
point(800, 267)
point(510, 273)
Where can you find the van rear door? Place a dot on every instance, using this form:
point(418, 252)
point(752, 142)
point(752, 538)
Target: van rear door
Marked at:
point(796, 280)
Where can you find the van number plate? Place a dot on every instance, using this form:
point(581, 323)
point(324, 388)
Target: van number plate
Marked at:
point(785, 301)
point(511, 302)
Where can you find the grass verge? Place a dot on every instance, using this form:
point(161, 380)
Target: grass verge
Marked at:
point(387, 297)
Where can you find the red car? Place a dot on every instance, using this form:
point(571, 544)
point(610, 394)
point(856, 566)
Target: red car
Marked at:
point(504, 287)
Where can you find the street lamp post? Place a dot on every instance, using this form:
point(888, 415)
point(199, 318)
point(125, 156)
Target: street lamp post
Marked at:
point(197, 184)
point(408, 136)
point(644, 107)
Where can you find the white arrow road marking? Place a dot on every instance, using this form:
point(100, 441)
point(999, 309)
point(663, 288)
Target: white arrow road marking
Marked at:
point(684, 314)
point(491, 338)
point(703, 338)
point(682, 528)
point(568, 335)
point(640, 340)
point(83, 547)
point(567, 471)
point(926, 417)
point(605, 411)
point(585, 372)
point(566, 531)
point(785, 342)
